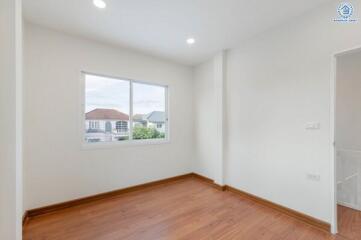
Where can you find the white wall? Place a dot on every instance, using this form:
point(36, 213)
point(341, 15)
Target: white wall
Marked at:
point(209, 116)
point(56, 168)
point(10, 120)
point(219, 87)
point(205, 121)
point(276, 83)
point(348, 129)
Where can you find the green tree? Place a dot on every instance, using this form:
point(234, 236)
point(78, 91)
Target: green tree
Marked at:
point(146, 133)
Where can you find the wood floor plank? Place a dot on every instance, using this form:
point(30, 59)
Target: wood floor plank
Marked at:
point(185, 210)
point(349, 222)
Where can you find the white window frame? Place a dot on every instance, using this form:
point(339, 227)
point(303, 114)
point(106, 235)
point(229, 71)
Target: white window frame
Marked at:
point(94, 124)
point(131, 141)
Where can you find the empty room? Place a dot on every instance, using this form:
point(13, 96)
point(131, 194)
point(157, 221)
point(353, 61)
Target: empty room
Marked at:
point(189, 120)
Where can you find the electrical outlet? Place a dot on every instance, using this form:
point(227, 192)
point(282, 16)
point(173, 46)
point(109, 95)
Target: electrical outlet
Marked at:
point(313, 126)
point(313, 177)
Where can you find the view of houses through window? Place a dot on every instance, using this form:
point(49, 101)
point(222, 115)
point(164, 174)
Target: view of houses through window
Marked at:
point(108, 107)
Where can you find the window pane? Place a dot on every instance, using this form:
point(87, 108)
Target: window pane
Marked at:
point(149, 115)
point(106, 109)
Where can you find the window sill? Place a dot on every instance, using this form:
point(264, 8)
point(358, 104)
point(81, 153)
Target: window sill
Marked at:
point(115, 145)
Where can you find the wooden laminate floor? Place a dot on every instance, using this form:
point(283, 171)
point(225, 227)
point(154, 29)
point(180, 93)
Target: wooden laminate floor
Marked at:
point(349, 223)
point(187, 209)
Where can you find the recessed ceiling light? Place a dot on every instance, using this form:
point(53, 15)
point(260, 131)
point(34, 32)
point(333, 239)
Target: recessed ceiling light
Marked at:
point(191, 41)
point(100, 4)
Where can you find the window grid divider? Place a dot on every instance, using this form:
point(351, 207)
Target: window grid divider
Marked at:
point(131, 111)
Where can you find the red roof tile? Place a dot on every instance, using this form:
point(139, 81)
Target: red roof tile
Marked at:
point(106, 114)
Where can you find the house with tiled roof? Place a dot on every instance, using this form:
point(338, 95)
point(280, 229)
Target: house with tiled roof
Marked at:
point(155, 119)
point(106, 125)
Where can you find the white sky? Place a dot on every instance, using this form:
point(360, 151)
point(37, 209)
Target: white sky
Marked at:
point(102, 92)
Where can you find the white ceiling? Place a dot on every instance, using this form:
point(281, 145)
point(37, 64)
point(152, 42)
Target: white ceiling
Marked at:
point(161, 27)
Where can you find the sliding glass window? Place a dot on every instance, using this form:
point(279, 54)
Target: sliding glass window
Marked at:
point(123, 110)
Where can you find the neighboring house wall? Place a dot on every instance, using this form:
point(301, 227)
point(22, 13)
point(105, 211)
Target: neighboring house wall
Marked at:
point(52, 140)
point(158, 126)
point(115, 134)
point(102, 125)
